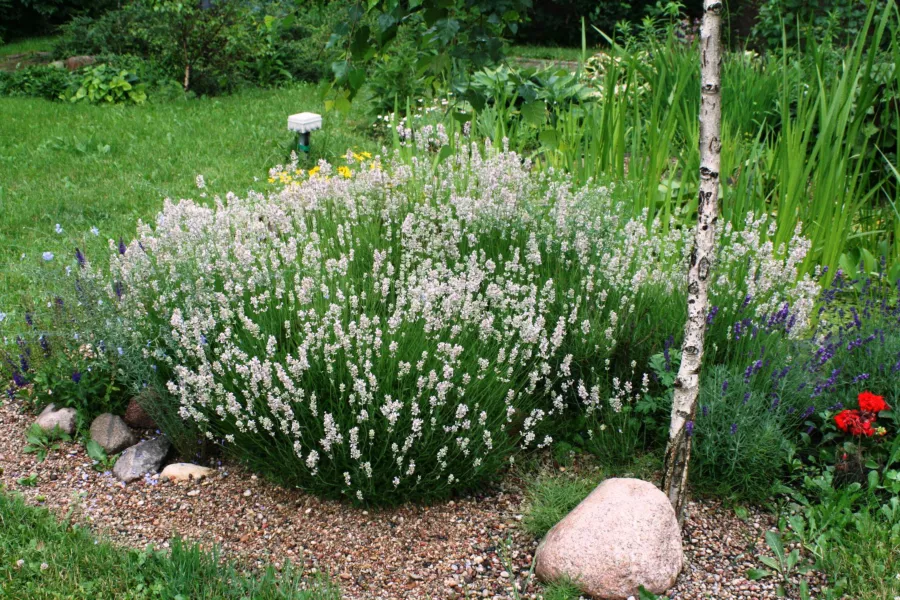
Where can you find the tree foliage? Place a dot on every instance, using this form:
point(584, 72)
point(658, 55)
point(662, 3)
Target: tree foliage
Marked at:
point(470, 32)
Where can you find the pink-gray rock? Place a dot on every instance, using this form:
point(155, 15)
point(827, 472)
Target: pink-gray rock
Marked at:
point(112, 433)
point(185, 472)
point(51, 417)
point(73, 63)
point(622, 536)
point(136, 416)
point(146, 457)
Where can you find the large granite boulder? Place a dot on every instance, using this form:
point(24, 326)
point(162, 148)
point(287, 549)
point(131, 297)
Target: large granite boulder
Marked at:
point(146, 457)
point(51, 417)
point(112, 433)
point(622, 536)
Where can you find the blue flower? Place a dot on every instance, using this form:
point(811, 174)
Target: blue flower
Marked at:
point(76, 376)
point(733, 428)
point(121, 246)
point(47, 256)
point(689, 428)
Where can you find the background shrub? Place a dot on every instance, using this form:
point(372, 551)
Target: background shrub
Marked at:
point(113, 33)
point(41, 81)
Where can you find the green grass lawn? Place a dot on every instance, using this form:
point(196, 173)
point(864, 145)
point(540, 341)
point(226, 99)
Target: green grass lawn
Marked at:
point(35, 44)
point(85, 166)
point(548, 52)
point(42, 558)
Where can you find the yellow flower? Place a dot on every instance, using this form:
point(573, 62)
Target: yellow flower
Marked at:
point(367, 155)
point(271, 180)
point(314, 170)
point(344, 172)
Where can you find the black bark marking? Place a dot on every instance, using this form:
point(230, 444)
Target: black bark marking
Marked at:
point(706, 172)
point(703, 269)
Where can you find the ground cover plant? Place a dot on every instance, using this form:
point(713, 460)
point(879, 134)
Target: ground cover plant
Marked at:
point(41, 557)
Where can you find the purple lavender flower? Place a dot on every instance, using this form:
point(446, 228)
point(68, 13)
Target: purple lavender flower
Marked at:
point(725, 386)
point(746, 397)
point(19, 380)
point(121, 246)
point(45, 345)
point(704, 410)
point(76, 376)
point(80, 258)
point(29, 320)
point(712, 315)
point(809, 411)
point(689, 428)
point(733, 428)
point(117, 287)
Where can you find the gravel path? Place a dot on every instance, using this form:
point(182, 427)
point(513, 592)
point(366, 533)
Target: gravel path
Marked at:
point(454, 549)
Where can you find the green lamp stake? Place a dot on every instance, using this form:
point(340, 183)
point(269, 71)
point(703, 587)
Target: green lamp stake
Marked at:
point(303, 124)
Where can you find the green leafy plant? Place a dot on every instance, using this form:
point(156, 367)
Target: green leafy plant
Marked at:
point(41, 442)
point(102, 462)
point(28, 480)
point(783, 564)
point(101, 84)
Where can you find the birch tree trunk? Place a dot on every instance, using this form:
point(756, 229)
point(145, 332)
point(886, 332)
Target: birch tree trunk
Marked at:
point(687, 383)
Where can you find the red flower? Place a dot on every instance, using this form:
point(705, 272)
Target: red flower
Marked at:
point(869, 402)
point(851, 421)
point(844, 419)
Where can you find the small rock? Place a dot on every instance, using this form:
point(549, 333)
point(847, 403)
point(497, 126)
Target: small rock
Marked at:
point(143, 458)
point(137, 417)
point(51, 417)
point(112, 433)
point(185, 472)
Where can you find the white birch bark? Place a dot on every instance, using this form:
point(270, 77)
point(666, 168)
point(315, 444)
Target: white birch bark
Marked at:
point(687, 382)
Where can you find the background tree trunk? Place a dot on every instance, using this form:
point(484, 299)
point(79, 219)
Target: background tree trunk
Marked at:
point(687, 383)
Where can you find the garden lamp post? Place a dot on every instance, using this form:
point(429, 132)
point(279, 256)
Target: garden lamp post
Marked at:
point(304, 123)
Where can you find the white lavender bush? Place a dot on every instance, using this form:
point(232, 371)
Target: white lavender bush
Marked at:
point(396, 331)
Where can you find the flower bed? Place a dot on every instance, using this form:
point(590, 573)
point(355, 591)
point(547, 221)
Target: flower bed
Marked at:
point(396, 329)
